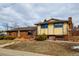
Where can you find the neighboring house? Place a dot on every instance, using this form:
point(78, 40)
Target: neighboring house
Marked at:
point(76, 31)
point(3, 33)
point(55, 28)
point(23, 32)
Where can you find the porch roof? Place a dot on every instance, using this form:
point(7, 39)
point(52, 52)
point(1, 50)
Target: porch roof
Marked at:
point(22, 29)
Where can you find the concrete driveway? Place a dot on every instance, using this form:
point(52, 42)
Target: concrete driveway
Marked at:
point(9, 52)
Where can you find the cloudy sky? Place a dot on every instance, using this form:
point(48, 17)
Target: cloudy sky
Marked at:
point(29, 14)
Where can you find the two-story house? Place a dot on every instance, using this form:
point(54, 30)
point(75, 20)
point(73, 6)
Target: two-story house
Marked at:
point(55, 28)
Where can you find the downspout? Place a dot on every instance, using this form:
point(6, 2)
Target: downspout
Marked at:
point(63, 29)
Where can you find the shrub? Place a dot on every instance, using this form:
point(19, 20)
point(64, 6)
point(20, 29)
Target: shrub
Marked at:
point(41, 37)
point(1, 37)
point(9, 37)
point(6, 37)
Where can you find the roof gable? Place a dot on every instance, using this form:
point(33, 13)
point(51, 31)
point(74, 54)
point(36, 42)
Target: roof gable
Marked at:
point(52, 20)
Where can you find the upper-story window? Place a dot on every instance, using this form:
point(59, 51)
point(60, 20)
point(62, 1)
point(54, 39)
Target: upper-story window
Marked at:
point(44, 25)
point(59, 25)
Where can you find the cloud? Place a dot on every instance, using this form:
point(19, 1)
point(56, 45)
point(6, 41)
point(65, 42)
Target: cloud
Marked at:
point(29, 14)
point(10, 15)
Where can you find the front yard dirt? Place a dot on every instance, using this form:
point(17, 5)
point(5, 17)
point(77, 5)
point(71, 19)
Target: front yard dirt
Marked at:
point(46, 47)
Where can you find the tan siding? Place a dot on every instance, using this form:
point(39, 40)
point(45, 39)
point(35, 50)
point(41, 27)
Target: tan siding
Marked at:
point(58, 31)
point(38, 30)
point(65, 27)
point(44, 31)
point(53, 31)
point(50, 29)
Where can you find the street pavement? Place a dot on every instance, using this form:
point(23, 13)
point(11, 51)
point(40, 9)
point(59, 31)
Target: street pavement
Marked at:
point(9, 52)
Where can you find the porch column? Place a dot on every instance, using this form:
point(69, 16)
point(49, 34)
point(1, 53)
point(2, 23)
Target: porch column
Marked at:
point(18, 33)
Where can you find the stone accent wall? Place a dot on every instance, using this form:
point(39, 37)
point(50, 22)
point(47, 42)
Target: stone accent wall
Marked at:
point(70, 26)
point(66, 37)
point(70, 30)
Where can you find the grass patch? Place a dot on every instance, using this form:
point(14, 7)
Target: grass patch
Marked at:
point(6, 41)
point(7, 38)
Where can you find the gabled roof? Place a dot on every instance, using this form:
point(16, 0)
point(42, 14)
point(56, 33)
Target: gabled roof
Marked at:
point(22, 29)
point(52, 20)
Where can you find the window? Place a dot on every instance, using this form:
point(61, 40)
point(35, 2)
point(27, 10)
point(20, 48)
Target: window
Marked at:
point(60, 25)
point(29, 33)
point(44, 25)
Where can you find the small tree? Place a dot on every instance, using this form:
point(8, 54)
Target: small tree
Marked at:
point(41, 37)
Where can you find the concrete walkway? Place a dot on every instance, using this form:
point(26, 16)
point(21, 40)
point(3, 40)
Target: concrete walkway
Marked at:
point(9, 52)
point(7, 44)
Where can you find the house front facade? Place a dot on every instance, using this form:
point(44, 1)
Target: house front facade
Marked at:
point(55, 27)
point(24, 33)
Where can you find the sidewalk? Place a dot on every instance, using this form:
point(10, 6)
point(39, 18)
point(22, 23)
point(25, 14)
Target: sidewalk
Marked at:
point(58, 41)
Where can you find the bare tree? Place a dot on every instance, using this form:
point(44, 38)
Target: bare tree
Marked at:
point(5, 25)
point(16, 25)
point(26, 24)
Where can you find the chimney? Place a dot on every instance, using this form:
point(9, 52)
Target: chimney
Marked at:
point(70, 23)
point(70, 18)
